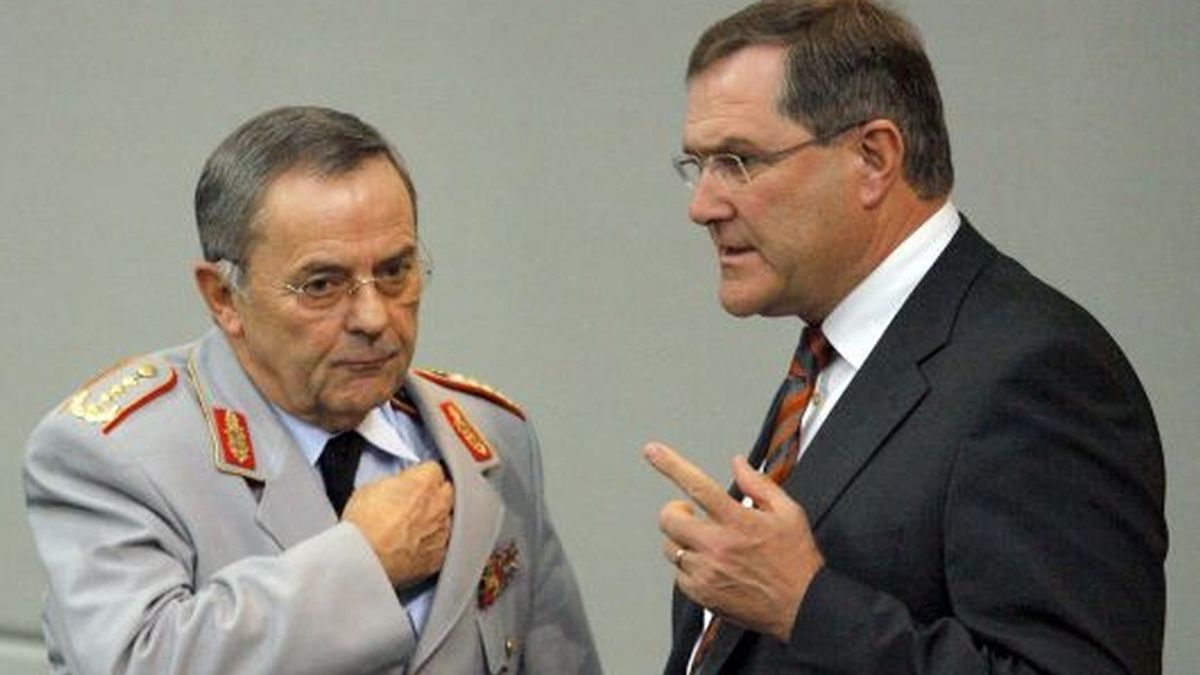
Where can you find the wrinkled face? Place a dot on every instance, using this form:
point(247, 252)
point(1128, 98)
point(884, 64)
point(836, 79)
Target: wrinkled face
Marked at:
point(788, 243)
point(330, 365)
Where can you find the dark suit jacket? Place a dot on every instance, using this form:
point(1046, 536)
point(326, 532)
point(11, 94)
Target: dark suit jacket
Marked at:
point(988, 495)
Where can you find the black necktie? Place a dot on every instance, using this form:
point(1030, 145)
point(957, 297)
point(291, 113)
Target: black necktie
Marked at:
point(338, 464)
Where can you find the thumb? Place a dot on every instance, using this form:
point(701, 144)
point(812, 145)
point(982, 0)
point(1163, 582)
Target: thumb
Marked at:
point(766, 494)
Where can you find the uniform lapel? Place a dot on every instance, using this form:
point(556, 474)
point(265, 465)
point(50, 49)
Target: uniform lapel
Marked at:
point(293, 506)
point(478, 516)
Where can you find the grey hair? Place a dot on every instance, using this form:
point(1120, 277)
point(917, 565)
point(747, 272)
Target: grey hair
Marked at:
point(232, 274)
point(238, 173)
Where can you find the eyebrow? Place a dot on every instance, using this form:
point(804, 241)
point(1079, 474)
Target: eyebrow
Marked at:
point(731, 145)
point(406, 251)
point(406, 254)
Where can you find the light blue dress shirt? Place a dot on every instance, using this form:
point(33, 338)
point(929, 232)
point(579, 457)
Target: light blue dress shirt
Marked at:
point(395, 442)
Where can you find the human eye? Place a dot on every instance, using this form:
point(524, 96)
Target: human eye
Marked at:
point(728, 165)
point(751, 161)
point(393, 275)
point(396, 268)
point(325, 286)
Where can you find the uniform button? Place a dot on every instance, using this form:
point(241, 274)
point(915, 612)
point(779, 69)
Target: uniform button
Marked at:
point(510, 646)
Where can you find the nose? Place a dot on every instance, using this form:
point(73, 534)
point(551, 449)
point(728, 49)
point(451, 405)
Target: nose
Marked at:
point(710, 200)
point(367, 312)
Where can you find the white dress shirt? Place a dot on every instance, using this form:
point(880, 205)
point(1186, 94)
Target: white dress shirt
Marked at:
point(854, 327)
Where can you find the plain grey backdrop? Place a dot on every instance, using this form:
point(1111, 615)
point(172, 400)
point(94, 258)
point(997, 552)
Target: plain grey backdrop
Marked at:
point(567, 274)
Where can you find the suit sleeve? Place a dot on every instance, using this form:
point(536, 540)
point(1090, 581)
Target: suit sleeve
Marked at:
point(122, 597)
point(559, 639)
point(1053, 538)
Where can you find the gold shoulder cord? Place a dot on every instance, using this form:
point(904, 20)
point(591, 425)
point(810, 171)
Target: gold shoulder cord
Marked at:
point(202, 400)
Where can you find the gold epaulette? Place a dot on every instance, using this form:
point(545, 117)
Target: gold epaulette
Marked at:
point(109, 398)
point(470, 386)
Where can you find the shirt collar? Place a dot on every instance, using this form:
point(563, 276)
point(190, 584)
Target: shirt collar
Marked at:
point(858, 322)
point(385, 428)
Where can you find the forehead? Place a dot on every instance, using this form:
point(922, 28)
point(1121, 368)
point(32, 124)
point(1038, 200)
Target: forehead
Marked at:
point(368, 205)
point(736, 98)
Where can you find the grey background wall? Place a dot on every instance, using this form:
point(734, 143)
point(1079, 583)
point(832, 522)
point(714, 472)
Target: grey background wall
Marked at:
point(567, 273)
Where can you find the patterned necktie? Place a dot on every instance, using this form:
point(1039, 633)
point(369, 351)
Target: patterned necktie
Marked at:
point(338, 465)
point(783, 447)
point(812, 354)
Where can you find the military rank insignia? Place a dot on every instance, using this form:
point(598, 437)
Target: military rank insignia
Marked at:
point(501, 567)
point(476, 442)
point(110, 398)
point(471, 386)
point(234, 437)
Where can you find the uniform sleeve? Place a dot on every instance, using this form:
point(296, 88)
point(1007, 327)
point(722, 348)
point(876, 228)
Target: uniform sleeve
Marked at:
point(1054, 539)
point(122, 596)
point(559, 639)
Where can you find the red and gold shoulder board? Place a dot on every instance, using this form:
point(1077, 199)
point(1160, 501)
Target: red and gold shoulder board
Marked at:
point(112, 396)
point(470, 386)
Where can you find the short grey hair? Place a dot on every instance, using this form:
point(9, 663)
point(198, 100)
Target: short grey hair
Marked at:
point(240, 171)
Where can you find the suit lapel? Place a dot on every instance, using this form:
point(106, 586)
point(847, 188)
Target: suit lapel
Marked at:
point(293, 506)
point(478, 516)
point(890, 383)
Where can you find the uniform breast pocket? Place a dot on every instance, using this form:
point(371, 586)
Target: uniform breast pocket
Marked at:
point(503, 606)
point(501, 641)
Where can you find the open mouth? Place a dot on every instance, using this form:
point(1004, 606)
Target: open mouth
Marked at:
point(729, 253)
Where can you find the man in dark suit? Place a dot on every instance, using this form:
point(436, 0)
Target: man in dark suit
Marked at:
point(961, 473)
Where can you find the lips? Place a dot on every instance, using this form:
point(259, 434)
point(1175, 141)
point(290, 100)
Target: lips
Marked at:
point(366, 362)
point(729, 254)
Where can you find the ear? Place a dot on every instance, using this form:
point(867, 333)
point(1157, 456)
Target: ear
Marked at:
point(220, 298)
point(881, 150)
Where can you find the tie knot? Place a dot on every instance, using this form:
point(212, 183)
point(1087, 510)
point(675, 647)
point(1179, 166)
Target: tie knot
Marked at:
point(338, 465)
point(812, 354)
point(347, 442)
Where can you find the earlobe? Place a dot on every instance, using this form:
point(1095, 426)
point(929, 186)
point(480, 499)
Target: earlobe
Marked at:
point(881, 148)
point(219, 297)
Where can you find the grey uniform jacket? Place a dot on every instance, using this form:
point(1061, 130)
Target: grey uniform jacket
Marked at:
point(182, 532)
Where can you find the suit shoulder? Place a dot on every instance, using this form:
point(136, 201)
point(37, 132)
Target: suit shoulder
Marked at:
point(119, 392)
point(469, 385)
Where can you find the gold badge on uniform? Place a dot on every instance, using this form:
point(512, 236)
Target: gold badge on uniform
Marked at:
point(235, 438)
point(470, 386)
point(128, 389)
point(501, 566)
point(471, 437)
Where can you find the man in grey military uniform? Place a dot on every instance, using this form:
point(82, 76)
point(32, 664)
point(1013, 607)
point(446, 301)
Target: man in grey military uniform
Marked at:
point(186, 503)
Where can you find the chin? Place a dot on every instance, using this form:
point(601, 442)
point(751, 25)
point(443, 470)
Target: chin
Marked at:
point(738, 306)
point(746, 299)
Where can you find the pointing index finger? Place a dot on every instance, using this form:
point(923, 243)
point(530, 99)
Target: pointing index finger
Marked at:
point(689, 478)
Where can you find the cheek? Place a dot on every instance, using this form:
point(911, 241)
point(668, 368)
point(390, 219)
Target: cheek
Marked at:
point(308, 346)
point(404, 322)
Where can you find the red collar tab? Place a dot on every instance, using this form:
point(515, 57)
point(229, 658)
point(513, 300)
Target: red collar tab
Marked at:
point(474, 440)
point(237, 452)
